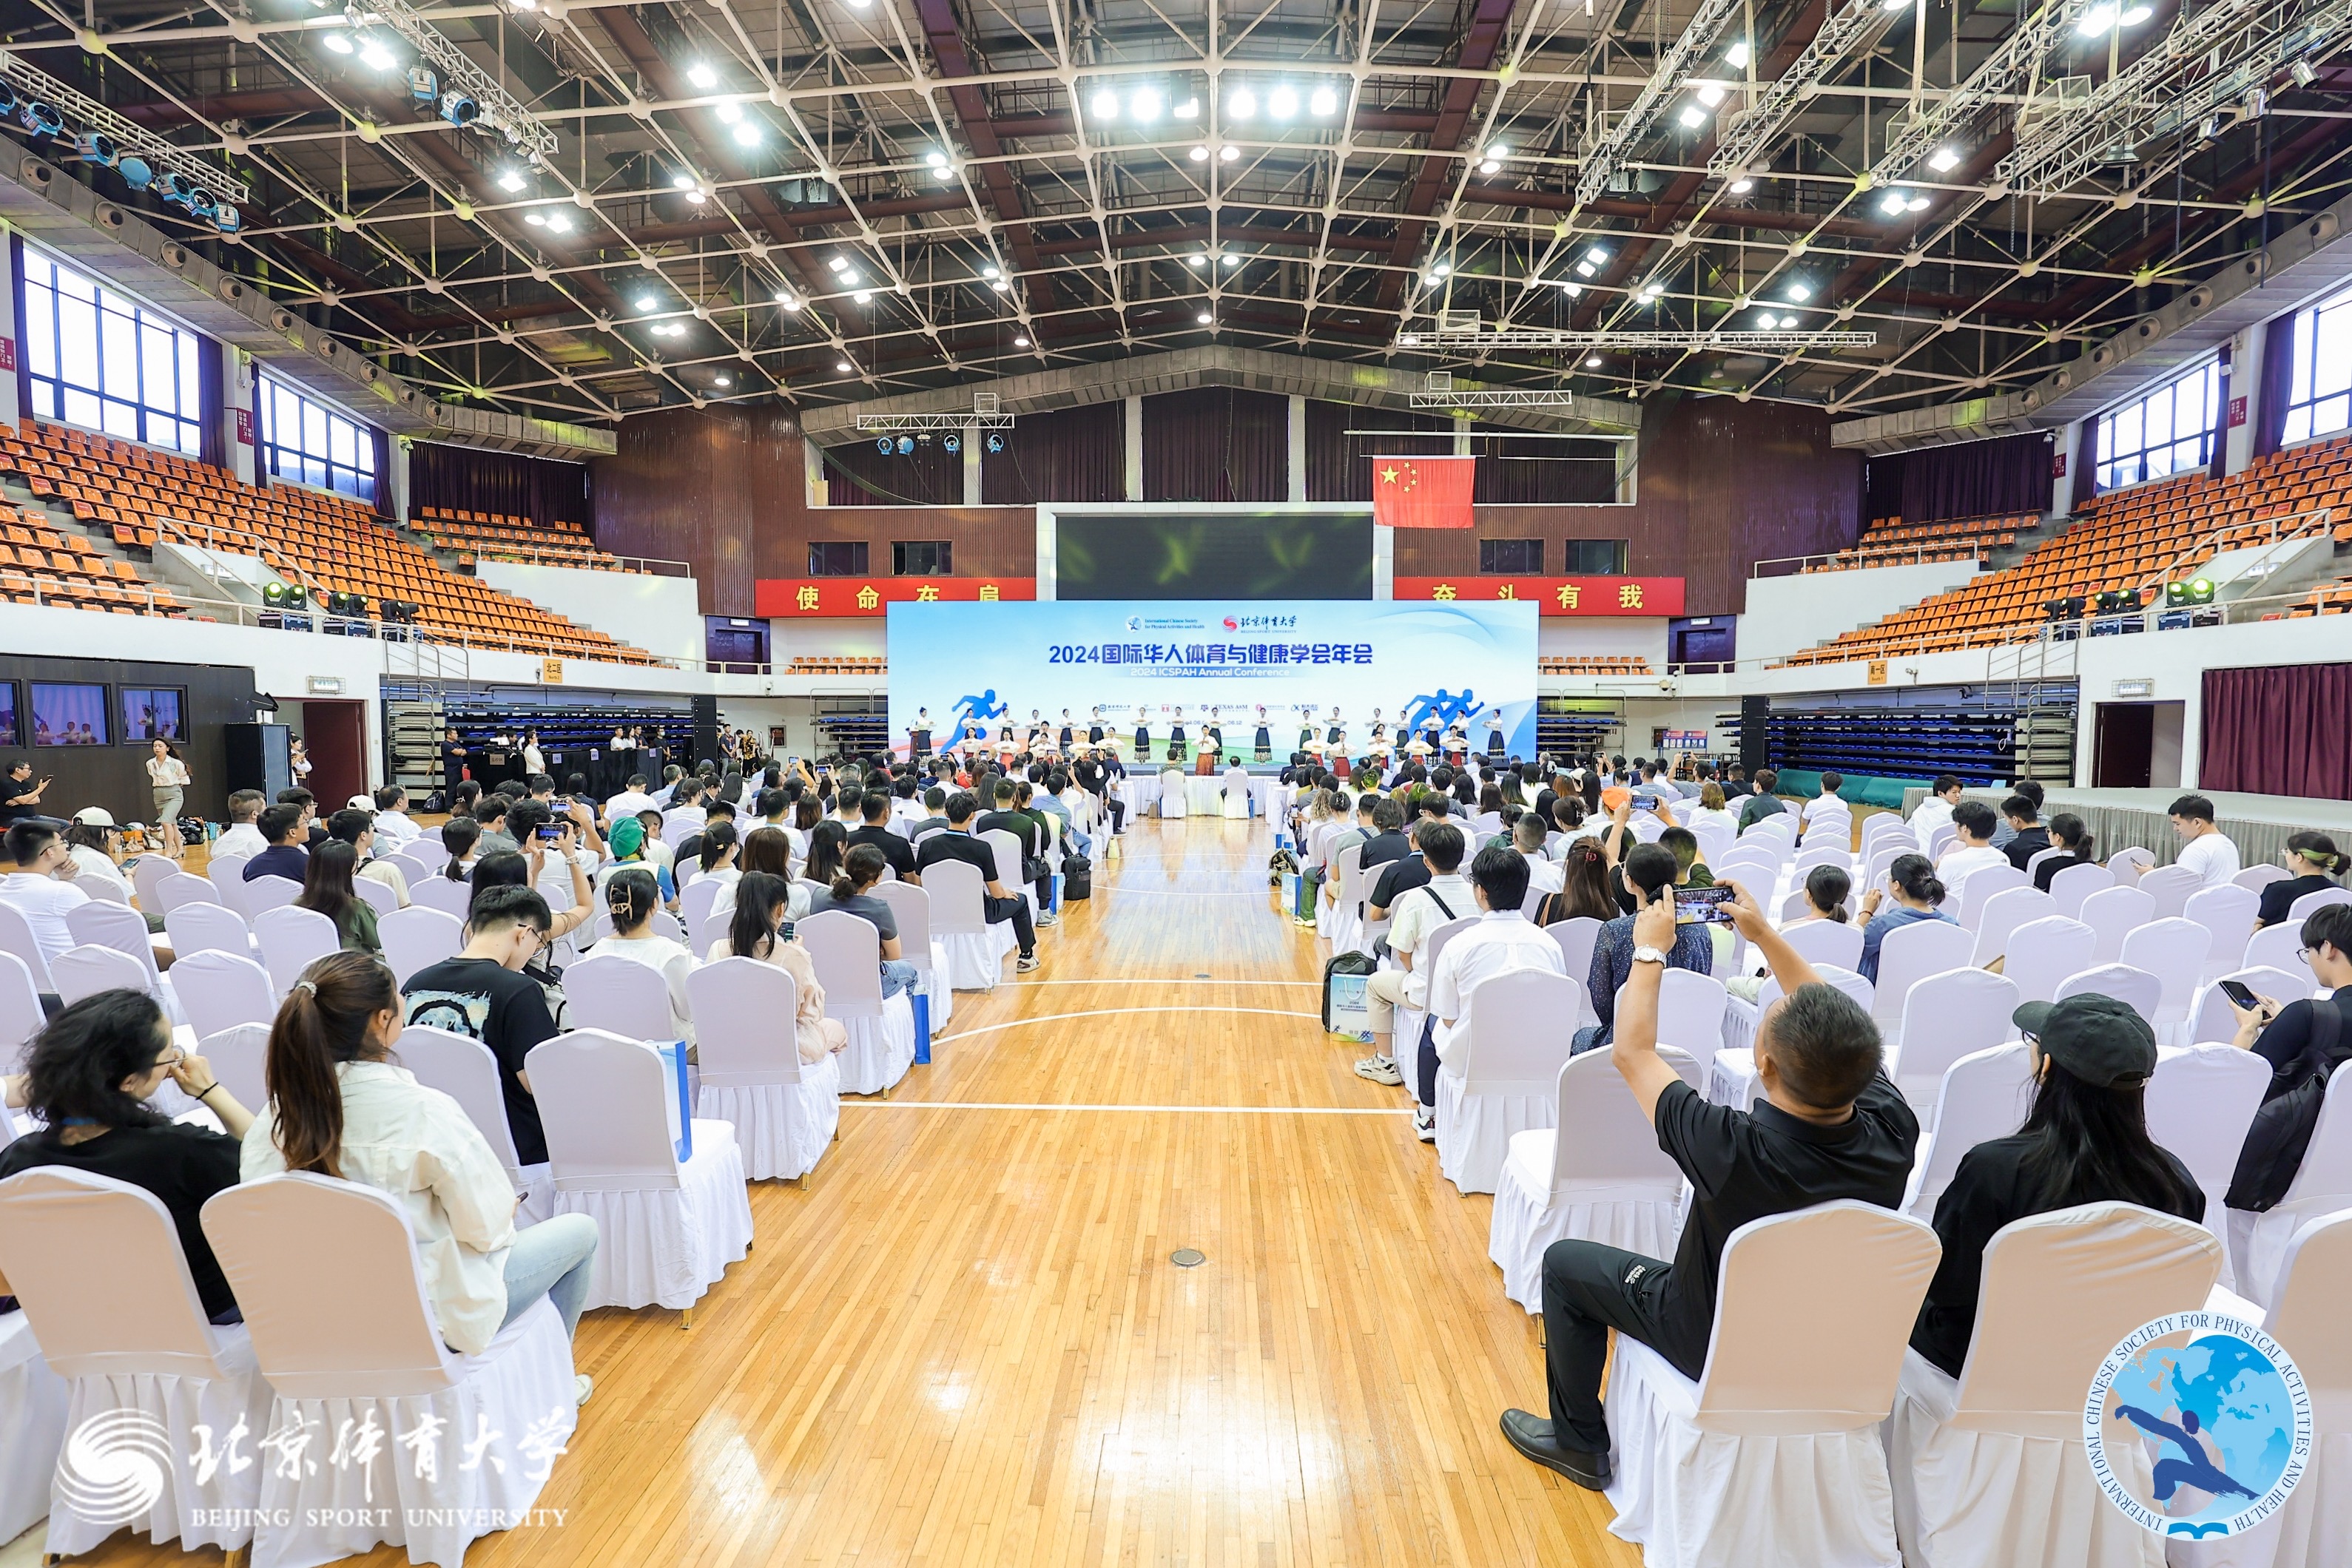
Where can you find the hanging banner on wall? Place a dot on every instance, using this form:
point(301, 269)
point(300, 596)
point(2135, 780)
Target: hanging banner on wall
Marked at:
point(1149, 662)
point(782, 598)
point(1576, 596)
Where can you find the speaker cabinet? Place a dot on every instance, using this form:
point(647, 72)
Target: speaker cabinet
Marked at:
point(258, 758)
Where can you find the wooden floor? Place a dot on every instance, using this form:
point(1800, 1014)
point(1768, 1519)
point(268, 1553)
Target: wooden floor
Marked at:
point(965, 1343)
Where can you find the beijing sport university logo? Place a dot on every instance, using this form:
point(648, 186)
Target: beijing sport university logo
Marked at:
point(111, 1468)
point(2197, 1425)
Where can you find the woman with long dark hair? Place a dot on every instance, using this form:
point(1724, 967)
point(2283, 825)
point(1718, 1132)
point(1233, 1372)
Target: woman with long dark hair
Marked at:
point(852, 893)
point(91, 1075)
point(2085, 1141)
point(761, 930)
point(1584, 891)
point(167, 780)
point(1918, 895)
point(2068, 833)
point(339, 1106)
point(630, 896)
point(329, 889)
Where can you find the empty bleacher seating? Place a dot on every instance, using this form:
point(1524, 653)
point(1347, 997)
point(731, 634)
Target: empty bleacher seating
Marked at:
point(844, 665)
point(2129, 540)
point(494, 535)
point(1890, 541)
point(41, 564)
point(143, 496)
point(1593, 664)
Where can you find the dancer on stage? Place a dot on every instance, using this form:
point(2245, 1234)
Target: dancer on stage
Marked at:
point(1095, 727)
point(1494, 731)
point(1307, 738)
point(1336, 736)
point(1177, 750)
point(1213, 735)
point(1142, 737)
point(1262, 746)
point(1069, 733)
point(919, 735)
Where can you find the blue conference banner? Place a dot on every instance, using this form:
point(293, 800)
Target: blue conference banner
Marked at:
point(1148, 663)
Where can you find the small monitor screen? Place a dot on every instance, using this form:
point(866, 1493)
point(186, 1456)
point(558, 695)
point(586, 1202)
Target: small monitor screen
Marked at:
point(9, 734)
point(69, 715)
point(150, 712)
point(1214, 555)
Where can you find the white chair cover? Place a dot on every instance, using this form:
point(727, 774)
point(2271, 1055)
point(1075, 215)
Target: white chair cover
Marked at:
point(87, 971)
point(2255, 878)
point(1950, 1016)
point(1989, 1467)
point(2171, 886)
point(463, 1070)
point(120, 928)
point(2277, 946)
point(147, 874)
point(226, 868)
point(208, 928)
point(1576, 939)
point(427, 850)
point(2115, 913)
point(1171, 793)
point(2141, 990)
point(412, 868)
point(292, 940)
point(364, 1349)
point(668, 1230)
point(221, 990)
point(2043, 953)
point(98, 1265)
point(959, 923)
point(436, 892)
point(2076, 882)
point(2200, 1104)
point(910, 907)
point(20, 1016)
point(1985, 1095)
point(848, 953)
point(2174, 950)
point(179, 888)
point(2228, 912)
point(1826, 942)
point(1690, 1013)
point(1908, 956)
point(379, 895)
point(619, 995)
point(695, 902)
point(1772, 1459)
point(784, 1111)
point(1237, 792)
point(2004, 912)
point(418, 937)
point(2310, 903)
point(2129, 865)
point(33, 1401)
point(1503, 1079)
point(1597, 1176)
point(2322, 1184)
point(1345, 913)
point(16, 937)
point(239, 1057)
point(268, 892)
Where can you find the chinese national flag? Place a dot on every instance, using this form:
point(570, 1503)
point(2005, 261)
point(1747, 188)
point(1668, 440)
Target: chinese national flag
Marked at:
point(1423, 492)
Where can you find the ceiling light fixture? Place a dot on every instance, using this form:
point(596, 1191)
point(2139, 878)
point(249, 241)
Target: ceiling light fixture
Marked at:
point(722, 381)
point(648, 302)
point(536, 220)
point(339, 42)
point(1917, 203)
point(700, 74)
point(1593, 364)
point(748, 133)
point(991, 271)
point(864, 297)
point(1202, 259)
point(1597, 254)
point(1231, 260)
point(512, 180)
point(1708, 94)
point(1692, 116)
point(1240, 103)
point(1441, 269)
point(1104, 105)
point(1283, 102)
point(1799, 293)
point(849, 277)
point(1323, 102)
point(377, 58)
point(1001, 286)
point(936, 159)
point(788, 299)
point(1188, 110)
point(1488, 166)
point(1022, 342)
point(1742, 185)
point(2096, 21)
point(1145, 104)
point(1228, 152)
point(838, 263)
point(1203, 317)
point(1200, 154)
point(1573, 290)
point(1891, 203)
point(1736, 57)
point(559, 222)
point(1944, 160)
point(841, 365)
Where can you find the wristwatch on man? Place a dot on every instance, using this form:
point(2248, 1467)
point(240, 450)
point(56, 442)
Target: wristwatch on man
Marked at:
point(1648, 956)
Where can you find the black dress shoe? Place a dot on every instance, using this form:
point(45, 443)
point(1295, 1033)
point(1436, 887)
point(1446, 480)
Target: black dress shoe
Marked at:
point(1532, 1436)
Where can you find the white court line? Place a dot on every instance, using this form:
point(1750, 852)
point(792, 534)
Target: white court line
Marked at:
point(1119, 1012)
point(1161, 1109)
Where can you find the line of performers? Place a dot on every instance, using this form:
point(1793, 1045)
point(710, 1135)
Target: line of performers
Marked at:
point(973, 735)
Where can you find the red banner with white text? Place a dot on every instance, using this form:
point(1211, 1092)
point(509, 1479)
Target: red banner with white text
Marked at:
point(1571, 596)
point(784, 598)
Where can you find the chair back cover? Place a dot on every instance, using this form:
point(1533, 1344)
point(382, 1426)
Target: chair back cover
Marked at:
point(98, 1265)
point(601, 1104)
point(2043, 953)
point(619, 995)
point(463, 1070)
point(737, 1004)
point(847, 953)
point(221, 990)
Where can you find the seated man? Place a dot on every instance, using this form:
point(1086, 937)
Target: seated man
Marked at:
point(1544, 874)
point(1828, 803)
point(1418, 911)
point(2028, 837)
point(954, 841)
point(39, 884)
point(241, 837)
point(359, 830)
point(1970, 849)
point(1763, 803)
point(1831, 1127)
point(1936, 810)
point(285, 828)
point(483, 994)
point(1009, 818)
point(1502, 938)
point(394, 826)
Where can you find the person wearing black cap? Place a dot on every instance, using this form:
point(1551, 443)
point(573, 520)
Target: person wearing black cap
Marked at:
point(2085, 1141)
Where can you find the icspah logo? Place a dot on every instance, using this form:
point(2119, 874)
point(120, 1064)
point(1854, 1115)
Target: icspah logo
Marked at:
point(2197, 1425)
point(111, 1468)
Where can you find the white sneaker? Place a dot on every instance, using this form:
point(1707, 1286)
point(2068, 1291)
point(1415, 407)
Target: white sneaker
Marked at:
point(1049, 918)
point(1027, 963)
point(1424, 1124)
point(1379, 1070)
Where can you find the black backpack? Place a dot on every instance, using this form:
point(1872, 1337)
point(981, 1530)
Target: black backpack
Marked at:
point(1078, 878)
point(1349, 963)
point(2281, 1128)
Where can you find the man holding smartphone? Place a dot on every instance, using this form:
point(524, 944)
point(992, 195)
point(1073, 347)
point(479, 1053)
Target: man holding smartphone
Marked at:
point(20, 800)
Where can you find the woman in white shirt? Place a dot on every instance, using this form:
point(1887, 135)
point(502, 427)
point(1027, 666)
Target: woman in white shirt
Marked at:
point(1712, 808)
point(756, 932)
point(167, 777)
point(94, 850)
point(534, 760)
point(631, 895)
point(339, 1107)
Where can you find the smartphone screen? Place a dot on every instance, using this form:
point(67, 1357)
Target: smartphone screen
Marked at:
point(549, 832)
point(1693, 904)
point(2239, 992)
point(784, 931)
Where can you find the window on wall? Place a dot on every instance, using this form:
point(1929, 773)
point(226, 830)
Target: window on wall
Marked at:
point(97, 360)
point(2169, 431)
point(309, 444)
point(1511, 557)
point(1593, 558)
point(921, 557)
point(836, 558)
point(2319, 387)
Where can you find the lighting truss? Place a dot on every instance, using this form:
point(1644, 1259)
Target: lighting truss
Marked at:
point(2016, 61)
point(1606, 158)
point(501, 111)
point(1498, 397)
point(1628, 341)
point(925, 423)
point(2175, 84)
point(1743, 137)
point(87, 114)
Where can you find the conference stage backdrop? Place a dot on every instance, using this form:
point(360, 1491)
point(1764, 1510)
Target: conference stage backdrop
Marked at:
point(1148, 659)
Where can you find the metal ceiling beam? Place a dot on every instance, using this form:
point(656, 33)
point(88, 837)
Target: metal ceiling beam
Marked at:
point(1482, 39)
point(944, 35)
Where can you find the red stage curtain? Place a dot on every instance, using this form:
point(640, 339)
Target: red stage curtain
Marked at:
point(2277, 730)
point(1215, 443)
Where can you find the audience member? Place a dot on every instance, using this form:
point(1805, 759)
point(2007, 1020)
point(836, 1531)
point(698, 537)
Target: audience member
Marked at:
point(492, 815)
point(2312, 865)
point(2305, 1042)
point(2205, 849)
point(1714, 807)
point(1829, 802)
point(760, 930)
point(20, 798)
point(1500, 938)
point(999, 903)
point(2068, 833)
point(631, 895)
point(95, 846)
point(1918, 895)
point(241, 837)
point(1008, 818)
point(302, 800)
point(1830, 1126)
point(1970, 849)
point(89, 1075)
point(1443, 897)
point(339, 1106)
point(852, 893)
point(1650, 870)
point(282, 826)
point(875, 833)
point(1936, 810)
point(1825, 888)
point(327, 888)
point(357, 827)
point(483, 994)
point(1763, 803)
point(2028, 837)
point(392, 823)
point(1584, 890)
point(1546, 876)
point(2084, 1140)
point(41, 887)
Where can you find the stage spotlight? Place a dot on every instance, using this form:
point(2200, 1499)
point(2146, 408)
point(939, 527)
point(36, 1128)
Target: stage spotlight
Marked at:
point(996, 444)
point(2198, 592)
point(2118, 601)
point(135, 173)
point(423, 85)
point(7, 101)
point(91, 147)
point(905, 447)
point(41, 119)
point(227, 219)
point(951, 444)
point(273, 594)
point(174, 188)
point(2064, 609)
point(460, 109)
point(201, 202)
point(882, 444)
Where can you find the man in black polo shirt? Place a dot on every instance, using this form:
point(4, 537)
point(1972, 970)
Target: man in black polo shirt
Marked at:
point(955, 842)
point(873, 806)
point(1388, 843)
point(1400, 876)
point(1023, 827)
point(1831, 1127)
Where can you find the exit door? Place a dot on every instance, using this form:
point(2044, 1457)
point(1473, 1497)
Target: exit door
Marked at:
point(334, 734)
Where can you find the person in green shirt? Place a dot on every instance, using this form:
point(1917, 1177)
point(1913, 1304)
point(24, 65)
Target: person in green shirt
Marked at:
point(331, 888)
point(1763, 803)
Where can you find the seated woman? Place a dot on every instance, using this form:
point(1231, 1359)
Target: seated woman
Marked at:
point(627, 843)
point(631, 895)
point(462, 837)
point(339, 1106)
point(768, 849)
point(2313, 865)
point(2068, 833)
point(1918, 893)
point(853, 892)
point(721, 845)
point(328, 887)
point(1825, 888)
point(761, 930)
point(1584, 890)
point(2085, 1141)
point(89, 1074)
point(1712, 808)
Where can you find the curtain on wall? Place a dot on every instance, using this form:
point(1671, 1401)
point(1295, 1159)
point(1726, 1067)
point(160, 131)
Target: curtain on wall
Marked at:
point(1215, 443)
point(1975, 479)
point(1069, 455)
point(2278, 383)
point(1541, 473)
point(858, 473)
point(467, 479)
point(1339, 465)
point(2277, 730)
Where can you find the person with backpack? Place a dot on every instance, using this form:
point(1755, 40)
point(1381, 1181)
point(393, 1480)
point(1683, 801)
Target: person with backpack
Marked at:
point(2305, 1042)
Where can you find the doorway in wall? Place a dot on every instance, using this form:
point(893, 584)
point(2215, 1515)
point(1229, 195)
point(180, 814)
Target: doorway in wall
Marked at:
point(2137, 745)
point(1706, 641)
point(735, 645)
point(335, 735)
